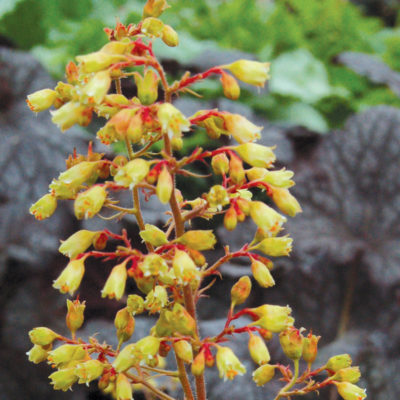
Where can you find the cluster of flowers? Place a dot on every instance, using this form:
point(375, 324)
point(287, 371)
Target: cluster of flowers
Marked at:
point(172, 272)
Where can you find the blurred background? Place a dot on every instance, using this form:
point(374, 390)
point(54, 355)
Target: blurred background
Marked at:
point(331, 107)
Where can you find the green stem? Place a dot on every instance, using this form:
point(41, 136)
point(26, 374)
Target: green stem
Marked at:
point(184, 378)
point(292, 381)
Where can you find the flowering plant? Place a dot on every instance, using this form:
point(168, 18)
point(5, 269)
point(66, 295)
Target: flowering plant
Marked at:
point(172, 273)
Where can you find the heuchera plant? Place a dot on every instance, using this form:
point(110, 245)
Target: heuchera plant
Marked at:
point(173, 272)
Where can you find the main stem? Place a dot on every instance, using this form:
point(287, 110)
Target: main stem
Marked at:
point(187, 291)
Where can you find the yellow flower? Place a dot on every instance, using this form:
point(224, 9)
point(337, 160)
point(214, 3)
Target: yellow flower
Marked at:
point(44, 207)
point(228, 364)
point(241, 128)
point(115, 284)
point(71, 277)
point(251, 72)
point(41, 100)
point(172, 120)
point(350, 392)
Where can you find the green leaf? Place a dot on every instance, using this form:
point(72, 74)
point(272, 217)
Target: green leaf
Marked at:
point(304, 115)
point(7, 6)
point(299, 74)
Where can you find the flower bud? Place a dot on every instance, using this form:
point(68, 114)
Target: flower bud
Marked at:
point(198, 240)
point(240, 291)
point(258, 350)
point(70, 114)
point(71, 276)
point(273, 318)
point(125, 358)
point(156, 299)
point(184, 268)
point(153, 265)
point(38, 354)
point(125, 325)
point(261, 274)
point(72, 73)
point(276, 246)
point(75, 318)
point(310, 348)
point(66, 353)
point(266, 217)
point(218, 196)
point(172, 120)
point(350, 374)
point(241, 128)
point(256, 173)
point(42, 336)
point(209, 358)
point(197, 257)
point(169, 36)
point(165, 186)
point(99, 60)
point(120, 161)
point(263, 374)
point(230, 86)
point(154, 8)
point(176, 321)
point(265, 334)
point(147, 87)
point(132, 173)
point(230, 219)
point(251, 72)
point(220, 164)
point(244, 205)
point(69, 181)
point(135, 128)
point(41, 100)
point(115, 284)
point(63, 379)
point(88, 203)
point(89, 371)
point(292, 343)
point(184, 350)
point(228, 364)
point(100, 241)
point(44, 207)
point(119, 123)
point(135, 304)
point(147, 348)
point(281, 178)
point(95, 90)
point(152, 27)
point(338, 362)
point(77, 243)
point(198, 364)
point(285, 201)
point(350, 392)
point(164, 349)
point(236, 171)
point(256, 155)
point(123, 388)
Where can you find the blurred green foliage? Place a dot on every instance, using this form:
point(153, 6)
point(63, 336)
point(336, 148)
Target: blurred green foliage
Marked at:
point(300, 37)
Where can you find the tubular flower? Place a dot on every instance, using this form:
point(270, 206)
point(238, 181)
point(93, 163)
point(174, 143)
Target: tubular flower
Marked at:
point(172, 120)
point(41, 100)
point(251, 72)
point(77, 243)
point(241, 128)
point(115, 284)
point(228, 364)
point(71, 277)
